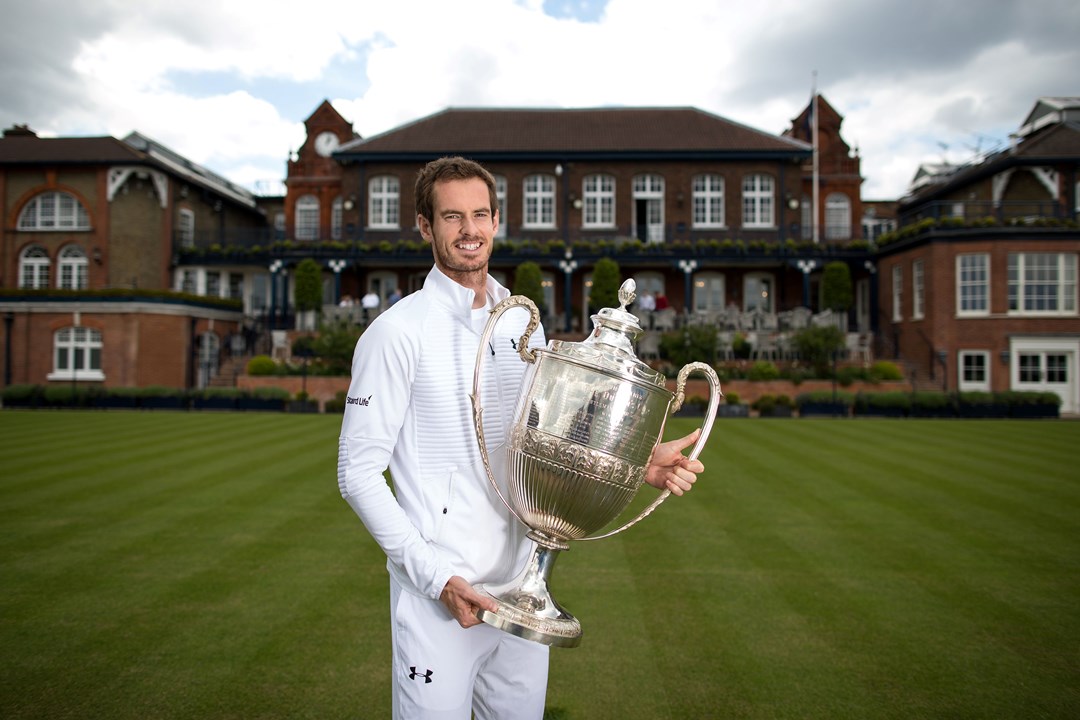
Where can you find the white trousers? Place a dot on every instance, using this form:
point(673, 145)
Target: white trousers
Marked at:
point(442, 671)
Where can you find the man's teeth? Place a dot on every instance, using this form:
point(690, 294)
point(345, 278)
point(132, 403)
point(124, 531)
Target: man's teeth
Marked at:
point(469, 246)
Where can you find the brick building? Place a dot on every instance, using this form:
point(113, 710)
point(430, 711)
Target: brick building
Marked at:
point(979, 283)
point(89, 288)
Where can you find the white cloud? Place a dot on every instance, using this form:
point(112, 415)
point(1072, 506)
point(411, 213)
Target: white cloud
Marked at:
point(229, 83)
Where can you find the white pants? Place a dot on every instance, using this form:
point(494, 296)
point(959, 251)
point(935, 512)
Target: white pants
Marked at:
point(445, 672)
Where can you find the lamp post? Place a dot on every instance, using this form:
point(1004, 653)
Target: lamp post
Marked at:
point(568, 265)
point(337, 266)
point(274, 267)
point(807, 267)
point(688, 267)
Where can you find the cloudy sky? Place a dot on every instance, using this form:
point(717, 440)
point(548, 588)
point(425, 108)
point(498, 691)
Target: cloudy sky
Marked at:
point(228, 83)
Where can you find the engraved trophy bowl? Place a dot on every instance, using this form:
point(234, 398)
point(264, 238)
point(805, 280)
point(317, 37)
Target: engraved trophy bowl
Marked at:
point(588, 417)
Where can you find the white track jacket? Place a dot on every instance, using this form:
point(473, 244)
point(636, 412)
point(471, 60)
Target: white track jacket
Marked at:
point(408, 409)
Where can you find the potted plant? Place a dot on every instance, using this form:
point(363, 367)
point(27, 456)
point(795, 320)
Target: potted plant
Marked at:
point(732, 407)
point(931, 405)
point(972, 404)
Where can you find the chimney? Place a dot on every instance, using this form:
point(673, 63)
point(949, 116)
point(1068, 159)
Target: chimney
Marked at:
point(20, 131)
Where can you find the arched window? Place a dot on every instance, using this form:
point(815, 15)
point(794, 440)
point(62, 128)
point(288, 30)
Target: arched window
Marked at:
point(72, 265)
point(34, 268)
point(837, 217)
point(307, 217)
point(500, 194)
point(758, 201)
point(807, 218)
point(708, 201)
point(54, 211)
point(599, 201)
point(539, 202)
point(758, 292)
point(77, 354)
point(337, 211)
point(384, 197)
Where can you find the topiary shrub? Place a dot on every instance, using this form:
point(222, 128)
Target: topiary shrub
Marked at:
point(763, 370)
point(262, 365)
point(884, 370)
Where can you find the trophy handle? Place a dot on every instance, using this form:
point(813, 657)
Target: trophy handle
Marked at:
point(710, 417)
point(526, 354)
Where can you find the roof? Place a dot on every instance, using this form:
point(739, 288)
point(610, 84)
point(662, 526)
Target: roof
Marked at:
point(1053, 144)
point(29, 149)
point(32, 150)
point(1050, 110)
point(585, 132)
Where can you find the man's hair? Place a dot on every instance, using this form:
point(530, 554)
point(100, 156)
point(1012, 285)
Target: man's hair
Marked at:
point(449, 168)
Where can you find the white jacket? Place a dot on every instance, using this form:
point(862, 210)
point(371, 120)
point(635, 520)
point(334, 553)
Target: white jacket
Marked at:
point(408, 409)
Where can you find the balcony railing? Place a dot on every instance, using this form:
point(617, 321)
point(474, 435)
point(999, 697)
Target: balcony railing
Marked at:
point(1026, 212)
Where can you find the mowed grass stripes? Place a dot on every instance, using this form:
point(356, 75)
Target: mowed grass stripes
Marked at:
point(178, 565)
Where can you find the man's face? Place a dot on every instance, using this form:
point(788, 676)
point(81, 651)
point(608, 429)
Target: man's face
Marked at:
point(463, 227)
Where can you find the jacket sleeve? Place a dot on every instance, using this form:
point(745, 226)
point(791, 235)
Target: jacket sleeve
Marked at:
point(384, 364)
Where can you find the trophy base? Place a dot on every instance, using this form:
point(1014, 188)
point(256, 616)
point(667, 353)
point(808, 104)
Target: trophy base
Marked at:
point(526, 608)
point(563, 630)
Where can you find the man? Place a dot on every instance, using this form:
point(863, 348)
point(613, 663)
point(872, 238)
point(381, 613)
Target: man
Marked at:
point(443, 528)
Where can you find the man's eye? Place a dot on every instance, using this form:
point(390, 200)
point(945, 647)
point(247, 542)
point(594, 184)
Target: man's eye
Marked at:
point(452, 217)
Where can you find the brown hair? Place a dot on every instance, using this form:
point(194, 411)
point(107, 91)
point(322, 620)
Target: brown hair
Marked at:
point(449, 168)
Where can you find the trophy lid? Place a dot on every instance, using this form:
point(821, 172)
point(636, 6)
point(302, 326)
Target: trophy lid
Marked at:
point(610, 346)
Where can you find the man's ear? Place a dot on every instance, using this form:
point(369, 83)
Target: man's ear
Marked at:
point(495, 223)
point(425, 228)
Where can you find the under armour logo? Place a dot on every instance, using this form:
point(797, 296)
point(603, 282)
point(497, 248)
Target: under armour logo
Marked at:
point(513, 343)
point(426, 675)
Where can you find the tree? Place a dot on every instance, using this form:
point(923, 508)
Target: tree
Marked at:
point(529, 281)
point(308, 278)
point(606, 279)
point(836, 291)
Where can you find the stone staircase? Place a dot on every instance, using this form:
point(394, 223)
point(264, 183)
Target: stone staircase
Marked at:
point(229, 370)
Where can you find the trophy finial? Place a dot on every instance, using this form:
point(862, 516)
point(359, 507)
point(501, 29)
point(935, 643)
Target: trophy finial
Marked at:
point(627, 293)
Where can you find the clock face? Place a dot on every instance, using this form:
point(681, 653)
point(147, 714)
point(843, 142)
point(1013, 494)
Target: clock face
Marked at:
point(326, 143)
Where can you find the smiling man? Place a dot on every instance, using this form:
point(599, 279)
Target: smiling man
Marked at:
point(443, 527)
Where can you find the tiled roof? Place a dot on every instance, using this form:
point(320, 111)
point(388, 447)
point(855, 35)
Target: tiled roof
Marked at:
point(479, 132)
point(20, 150)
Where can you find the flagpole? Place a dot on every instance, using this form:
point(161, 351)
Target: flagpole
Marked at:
point(817, 173)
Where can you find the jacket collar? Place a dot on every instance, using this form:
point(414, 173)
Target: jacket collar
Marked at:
point(458, 298)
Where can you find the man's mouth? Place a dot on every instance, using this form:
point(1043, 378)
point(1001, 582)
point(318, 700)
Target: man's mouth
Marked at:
point(469, 245)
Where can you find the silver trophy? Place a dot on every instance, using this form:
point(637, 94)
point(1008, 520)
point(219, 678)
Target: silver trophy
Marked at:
point(587, 420)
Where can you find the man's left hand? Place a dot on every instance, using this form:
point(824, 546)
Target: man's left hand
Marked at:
point(670, 469)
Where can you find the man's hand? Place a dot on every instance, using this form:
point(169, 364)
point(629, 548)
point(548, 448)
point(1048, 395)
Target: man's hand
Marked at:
point(670, 469)
point(462, 601)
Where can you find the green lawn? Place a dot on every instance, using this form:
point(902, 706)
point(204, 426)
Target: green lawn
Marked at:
point(201, 565)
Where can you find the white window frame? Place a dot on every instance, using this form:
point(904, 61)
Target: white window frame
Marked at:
point(598, 196)
point(213, 283)
point(759, 201)
point(966, 384)
point(807, 218)
point(34, 265)
point(500, 195)
point(707, 197)
point(185, 228)
point(897, 293)
point(384, 203)
point(307, 217)
point(918, 290)
point(337, 215)
point(77, 344)
point(72, 268)
point(837, 217)
point(52, 212)
point(1063, 268)
point(710, 291)
point(539, 202)
point(973, 285)
point(650, 188)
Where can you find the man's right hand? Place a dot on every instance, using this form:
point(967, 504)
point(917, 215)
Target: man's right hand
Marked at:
point(463, 602)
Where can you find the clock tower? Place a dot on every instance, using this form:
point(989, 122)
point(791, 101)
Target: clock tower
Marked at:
point(314, 207)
